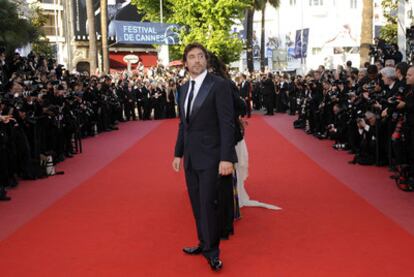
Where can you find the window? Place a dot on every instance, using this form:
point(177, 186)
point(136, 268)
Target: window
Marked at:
point(49, 27)
point(315, 2)
point(353, 4)
point(316, 50)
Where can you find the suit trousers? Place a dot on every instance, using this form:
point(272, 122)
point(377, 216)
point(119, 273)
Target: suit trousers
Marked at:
point(226, 205)
point(202, 186)
point(410, 149)
point(248, 107)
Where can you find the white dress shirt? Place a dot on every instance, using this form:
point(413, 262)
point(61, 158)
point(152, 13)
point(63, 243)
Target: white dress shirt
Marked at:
point(198, 81)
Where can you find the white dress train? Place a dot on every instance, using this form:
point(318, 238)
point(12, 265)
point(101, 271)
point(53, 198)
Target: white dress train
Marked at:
point(242, 171)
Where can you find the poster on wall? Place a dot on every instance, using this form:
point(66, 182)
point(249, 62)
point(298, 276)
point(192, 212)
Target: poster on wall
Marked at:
point(301, 43)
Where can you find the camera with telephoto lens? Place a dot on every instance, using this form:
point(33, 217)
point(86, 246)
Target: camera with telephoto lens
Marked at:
point(370, 86)
point(393, 100)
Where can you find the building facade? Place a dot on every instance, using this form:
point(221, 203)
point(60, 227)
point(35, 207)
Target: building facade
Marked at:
point(333, 26)
point(66, 31)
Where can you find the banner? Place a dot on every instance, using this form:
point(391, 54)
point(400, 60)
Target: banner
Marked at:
point(301, 43)
point(128, 32)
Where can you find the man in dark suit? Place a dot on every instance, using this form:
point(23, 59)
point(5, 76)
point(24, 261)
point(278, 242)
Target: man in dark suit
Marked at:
point(268, 91)
point(206, 142)
point(246, 94)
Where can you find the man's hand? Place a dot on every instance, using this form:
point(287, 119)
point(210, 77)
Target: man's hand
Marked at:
point(6, 118)
point(225, 168)
point(361, 123)
point(401, 104)
point(377, 105)
point(176, 164)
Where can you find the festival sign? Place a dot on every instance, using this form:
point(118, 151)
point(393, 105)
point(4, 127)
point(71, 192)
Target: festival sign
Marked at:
point(129, 32)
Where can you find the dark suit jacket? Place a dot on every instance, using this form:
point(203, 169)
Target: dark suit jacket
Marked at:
point(209, 136)
point(245, 90)
point(268, 89)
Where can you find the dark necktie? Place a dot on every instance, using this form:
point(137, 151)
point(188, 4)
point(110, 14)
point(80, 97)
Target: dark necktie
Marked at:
point(190, 99)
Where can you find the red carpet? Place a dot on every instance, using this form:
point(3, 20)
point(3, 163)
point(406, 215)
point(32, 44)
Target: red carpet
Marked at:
point(32, 197)
point(133, 217)
point(372, 183)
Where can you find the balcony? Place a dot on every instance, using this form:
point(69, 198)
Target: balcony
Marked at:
point(51, 5)
point(50, 30)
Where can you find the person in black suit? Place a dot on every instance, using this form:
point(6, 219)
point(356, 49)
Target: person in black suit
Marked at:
point(139, 90)
point(246, 94)
point(268, 88)
point(282, 95)
point(206, 142)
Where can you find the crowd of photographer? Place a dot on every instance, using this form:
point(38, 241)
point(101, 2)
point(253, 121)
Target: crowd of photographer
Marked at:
point(45, 111)
point(368, 112)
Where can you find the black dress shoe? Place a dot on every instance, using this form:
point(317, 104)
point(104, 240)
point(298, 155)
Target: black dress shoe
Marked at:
point(225, 236)
point(354, 161)
point(215, 263)
point(193, 250)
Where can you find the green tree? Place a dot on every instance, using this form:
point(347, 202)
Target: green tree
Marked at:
point(15, 30)
point(151, 9)
point(208, 22)
point(40, 44)
point(389, 32)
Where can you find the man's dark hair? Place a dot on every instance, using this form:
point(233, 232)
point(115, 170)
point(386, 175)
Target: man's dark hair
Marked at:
point(372, 69)
point(193, 45)
point(395, 45)
point(403, 68)
point(349, 63)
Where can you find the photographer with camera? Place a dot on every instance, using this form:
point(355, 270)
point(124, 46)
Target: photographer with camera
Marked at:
point(316, 97)
point(324, 114)
point(368, 135)
point(338, 129)
point(6, 170)
point(405, 132)
point(393, 118)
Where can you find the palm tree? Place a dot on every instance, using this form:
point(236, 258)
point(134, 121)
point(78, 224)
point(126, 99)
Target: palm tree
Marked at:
point(275, 4)
point(92, 36)
point(366, 30)
point(104, 37)
point(258, 5)
point(249, 38)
